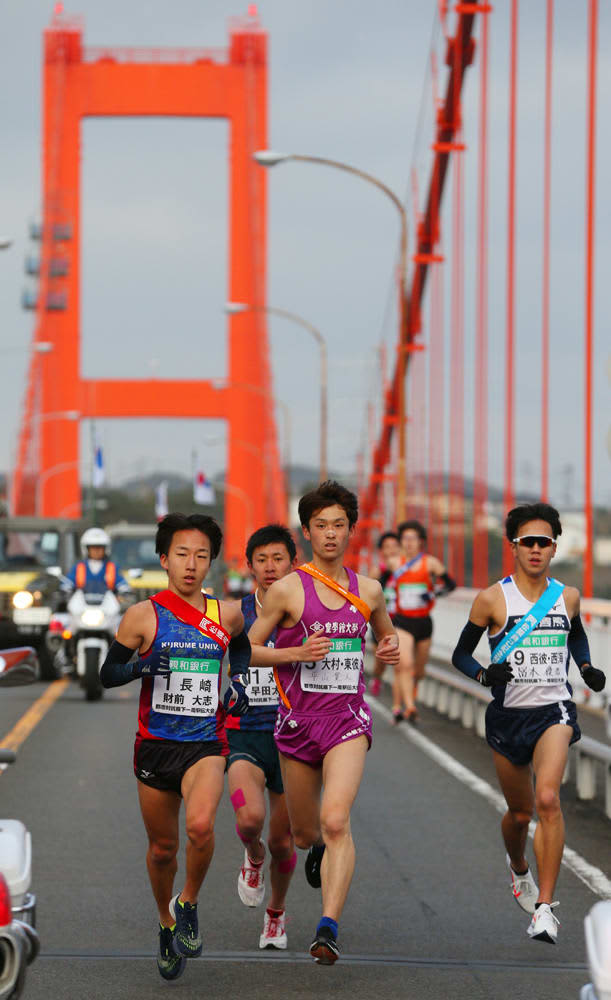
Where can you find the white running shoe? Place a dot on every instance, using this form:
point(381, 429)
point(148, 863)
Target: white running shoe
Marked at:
point(251, 882)
point(524, 888)
point(274, 931)
point(544, 925)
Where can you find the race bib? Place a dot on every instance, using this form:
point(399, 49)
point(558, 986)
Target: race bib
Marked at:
point(339, 672)
point(390, 598)
point(540, 658)
point(262, 689)
point(191, 689)
point(411, 596)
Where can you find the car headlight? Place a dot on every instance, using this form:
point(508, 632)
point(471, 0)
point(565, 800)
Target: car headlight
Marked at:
point(92, 617)
point(23, 599)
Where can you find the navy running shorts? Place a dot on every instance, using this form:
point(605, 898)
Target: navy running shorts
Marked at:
point(257, 747)
point(162, 763)
point(515, 732)
point(420, 626)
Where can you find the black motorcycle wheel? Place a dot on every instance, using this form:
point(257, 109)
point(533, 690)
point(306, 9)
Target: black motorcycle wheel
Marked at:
point(47, 665)
point(91, 681)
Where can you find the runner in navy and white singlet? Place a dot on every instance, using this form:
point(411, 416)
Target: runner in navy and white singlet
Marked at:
point(534, 627)
point(181, 636)
point(253, 756)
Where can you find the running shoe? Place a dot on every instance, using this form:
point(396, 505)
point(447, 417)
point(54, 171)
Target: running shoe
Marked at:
point(274, 930)
point(412, 716)
point(375, 685)
point(397, 716)
point(251, 882)
point(324, 947)
point(544, 925)
point(187, 939)
point(524, 888)
point(170, 965)
point(313, 862)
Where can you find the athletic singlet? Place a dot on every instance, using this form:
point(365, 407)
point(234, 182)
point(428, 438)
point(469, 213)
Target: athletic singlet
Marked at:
point(328, 685)
point(262, 691)
point(414, 590)
point(389, 590)
point(184, 706)
point(540, 661)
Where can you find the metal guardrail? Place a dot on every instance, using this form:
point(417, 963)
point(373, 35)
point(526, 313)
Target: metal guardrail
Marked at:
point(464, 699)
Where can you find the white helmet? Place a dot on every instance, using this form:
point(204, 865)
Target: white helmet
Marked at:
point(94, 536)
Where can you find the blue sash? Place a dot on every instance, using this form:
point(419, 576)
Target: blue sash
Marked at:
point(530, 621)
point(403, 569)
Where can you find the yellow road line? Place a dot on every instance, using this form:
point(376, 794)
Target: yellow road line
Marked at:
point(30, 719)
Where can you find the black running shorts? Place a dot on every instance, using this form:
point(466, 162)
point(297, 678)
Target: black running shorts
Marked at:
point(515, 732)
point(162, 763)
point(421, 627)
point(257, 748)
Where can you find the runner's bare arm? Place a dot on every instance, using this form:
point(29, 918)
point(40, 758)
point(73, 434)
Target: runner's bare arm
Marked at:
point(276, 606)
point(438, 570)
point(231, 617)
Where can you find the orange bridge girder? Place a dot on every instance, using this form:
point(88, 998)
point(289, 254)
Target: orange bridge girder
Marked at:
point(79, 83)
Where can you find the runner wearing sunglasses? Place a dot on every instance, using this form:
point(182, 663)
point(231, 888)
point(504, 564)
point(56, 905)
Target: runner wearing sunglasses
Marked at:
point(534, 627)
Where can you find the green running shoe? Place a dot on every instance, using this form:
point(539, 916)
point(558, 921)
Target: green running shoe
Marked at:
point(187, 939)
point(170, 965)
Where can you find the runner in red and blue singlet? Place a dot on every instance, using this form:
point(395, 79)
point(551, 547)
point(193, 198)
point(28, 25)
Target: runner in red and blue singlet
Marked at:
point(181, 746)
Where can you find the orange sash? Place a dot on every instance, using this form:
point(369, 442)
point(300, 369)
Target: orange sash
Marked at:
point(358, 602)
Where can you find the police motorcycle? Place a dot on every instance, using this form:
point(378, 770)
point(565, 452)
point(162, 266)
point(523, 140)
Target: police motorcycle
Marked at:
point(19, 943)
point(79, 636)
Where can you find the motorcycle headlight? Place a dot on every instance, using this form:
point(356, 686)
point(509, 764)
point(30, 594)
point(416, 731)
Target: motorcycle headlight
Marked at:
point(23, 599)
point(92, 617)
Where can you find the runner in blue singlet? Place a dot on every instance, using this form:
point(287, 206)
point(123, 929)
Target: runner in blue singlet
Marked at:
point(253, 757)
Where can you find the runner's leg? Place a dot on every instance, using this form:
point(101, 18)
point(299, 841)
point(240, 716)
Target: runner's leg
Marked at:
point(549, 762)
point(249, 779)
point(202, 787)
point(421, 658)
point(403, 686)
point(302, 784)
point(160, 814)
point(342, 772)
point(282, 849)
point(517, 787)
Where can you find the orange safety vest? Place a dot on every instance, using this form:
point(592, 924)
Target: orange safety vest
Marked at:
point(110, 575)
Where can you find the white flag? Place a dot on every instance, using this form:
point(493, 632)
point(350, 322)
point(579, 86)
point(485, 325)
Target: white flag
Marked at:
point(203, 492)
point(98, 476)
point(161, 500)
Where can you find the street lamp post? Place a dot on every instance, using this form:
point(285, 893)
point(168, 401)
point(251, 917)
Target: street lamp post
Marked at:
point(237, 307)
point(270, 158)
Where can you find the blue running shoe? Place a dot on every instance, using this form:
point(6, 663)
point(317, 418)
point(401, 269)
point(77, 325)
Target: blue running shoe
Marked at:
point(187, 939)
point(170, 965)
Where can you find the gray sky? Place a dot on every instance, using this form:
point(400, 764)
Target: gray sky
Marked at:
point(346, 81)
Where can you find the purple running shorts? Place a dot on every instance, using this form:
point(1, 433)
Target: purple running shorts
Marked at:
point(310, 737)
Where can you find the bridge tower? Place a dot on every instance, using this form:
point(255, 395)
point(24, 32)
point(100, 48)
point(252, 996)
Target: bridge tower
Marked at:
point(80, 81)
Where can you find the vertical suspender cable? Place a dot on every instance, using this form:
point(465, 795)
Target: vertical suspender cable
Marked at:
point(480, 444)
point(508, 496)
point(547, 161)
point(589, 303)
point(456, 514)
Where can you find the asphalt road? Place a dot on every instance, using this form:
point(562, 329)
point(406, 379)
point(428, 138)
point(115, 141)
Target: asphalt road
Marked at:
point(429, 915)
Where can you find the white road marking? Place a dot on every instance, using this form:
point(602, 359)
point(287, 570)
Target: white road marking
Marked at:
point(593, 877)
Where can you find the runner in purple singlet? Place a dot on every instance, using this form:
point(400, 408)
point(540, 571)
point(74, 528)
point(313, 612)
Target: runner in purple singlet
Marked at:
point(323, 728)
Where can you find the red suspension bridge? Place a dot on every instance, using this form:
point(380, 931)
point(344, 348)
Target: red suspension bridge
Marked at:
point(433, 423)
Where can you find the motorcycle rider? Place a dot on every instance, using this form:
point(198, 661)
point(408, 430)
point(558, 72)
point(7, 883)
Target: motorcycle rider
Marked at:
point(96, 572)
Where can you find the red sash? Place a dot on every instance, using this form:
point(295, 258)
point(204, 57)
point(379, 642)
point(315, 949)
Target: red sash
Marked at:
point(191, 616)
